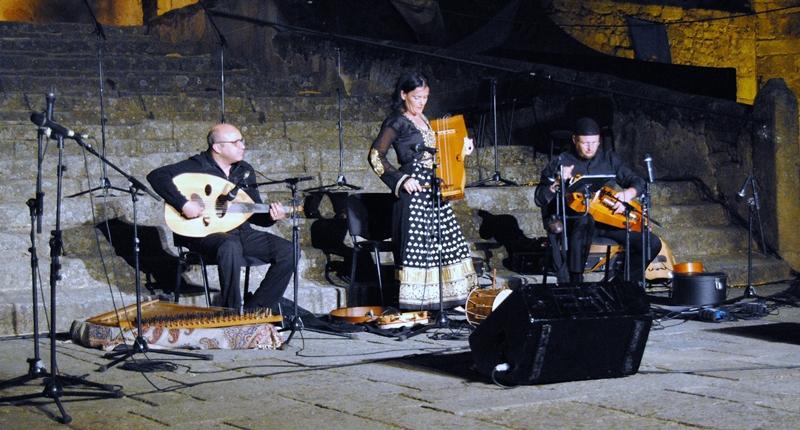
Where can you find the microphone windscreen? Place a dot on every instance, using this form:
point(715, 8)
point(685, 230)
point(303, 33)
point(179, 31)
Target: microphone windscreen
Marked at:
point(38, 118)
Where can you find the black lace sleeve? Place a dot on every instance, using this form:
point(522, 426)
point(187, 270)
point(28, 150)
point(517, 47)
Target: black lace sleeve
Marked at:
point(388, 173)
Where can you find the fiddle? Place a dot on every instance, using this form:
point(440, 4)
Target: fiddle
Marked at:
point(601, 208)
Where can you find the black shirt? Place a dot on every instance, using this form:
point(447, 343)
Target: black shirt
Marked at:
point(603, 163)
point(399, 132)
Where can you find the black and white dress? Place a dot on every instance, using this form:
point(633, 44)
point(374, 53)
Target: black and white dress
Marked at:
point(416, 224)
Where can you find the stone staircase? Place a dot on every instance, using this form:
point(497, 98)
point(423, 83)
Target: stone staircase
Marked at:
point(160, 101)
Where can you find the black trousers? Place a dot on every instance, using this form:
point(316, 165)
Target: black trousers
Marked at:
point(581, 232)
point(230, 250)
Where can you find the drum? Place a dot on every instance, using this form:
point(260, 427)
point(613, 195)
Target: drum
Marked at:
point(699, 289)
point(482, 301)
point(689, 267)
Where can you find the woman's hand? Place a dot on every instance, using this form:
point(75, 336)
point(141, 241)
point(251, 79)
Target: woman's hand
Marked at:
point(411, 186)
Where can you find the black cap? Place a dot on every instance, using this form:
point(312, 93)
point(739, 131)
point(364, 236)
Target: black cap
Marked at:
point(586, 127)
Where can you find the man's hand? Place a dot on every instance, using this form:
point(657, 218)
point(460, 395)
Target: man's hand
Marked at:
point(192, 209)
point(625, 195)
point(411, 185)
point(277, 211)
point(567, 172)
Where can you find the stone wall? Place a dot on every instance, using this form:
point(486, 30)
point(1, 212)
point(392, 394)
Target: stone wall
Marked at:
point(688, 136)
point(108, 12)
point(778, 43)
point(760, 47)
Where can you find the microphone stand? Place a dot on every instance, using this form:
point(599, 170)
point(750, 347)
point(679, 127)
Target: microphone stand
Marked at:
point(341, 181)
point(627, 242)
point(296, 322)
point(55, 383)
point(36, 368)
point(496, 179)
point(222, 44)
point(442, 321)
point(561, 213)
point(645, 199)
point(140, 343)
point(105, 183)
point(753, 210)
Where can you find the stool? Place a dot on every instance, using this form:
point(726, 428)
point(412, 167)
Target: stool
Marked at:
point(187, 257)
point(610, 248)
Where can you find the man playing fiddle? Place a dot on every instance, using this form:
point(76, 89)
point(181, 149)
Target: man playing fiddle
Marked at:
point(587, 157)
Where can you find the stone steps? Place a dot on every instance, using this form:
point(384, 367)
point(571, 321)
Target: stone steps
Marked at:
point(81, 38)
point(294, 156)
point(143, 63)
point(76, 43)
point(765, 269)
point(16, 307)
point(701, 241)
point(47, 32)
point(129, 82)
point(688, 215)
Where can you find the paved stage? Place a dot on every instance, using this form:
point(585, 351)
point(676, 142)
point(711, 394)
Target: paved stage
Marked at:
point(731, 375)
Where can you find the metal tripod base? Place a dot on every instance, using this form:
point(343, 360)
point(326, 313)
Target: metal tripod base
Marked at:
point(441, 322)
point(36, 370)
point(341, 183)
point(140, 347)
point(296, 324)
point(750, 293)
point(54, 388)
point(495, 181)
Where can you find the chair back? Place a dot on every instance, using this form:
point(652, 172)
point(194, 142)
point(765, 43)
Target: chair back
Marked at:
point(369, 215)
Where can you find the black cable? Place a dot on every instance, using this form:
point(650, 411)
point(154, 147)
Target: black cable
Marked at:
point(148, 366)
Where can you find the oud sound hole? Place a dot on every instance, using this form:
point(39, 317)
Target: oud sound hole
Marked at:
point(207, 189)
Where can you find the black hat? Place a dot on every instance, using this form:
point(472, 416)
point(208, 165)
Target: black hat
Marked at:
point(586, 127)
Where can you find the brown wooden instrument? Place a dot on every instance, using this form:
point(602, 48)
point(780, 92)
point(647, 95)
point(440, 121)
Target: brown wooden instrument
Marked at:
point(174, 315)
point(663, 266)
point(357, 314)
point(601, 209)
point(452, 146)
point(660, 268)
point(219, 214)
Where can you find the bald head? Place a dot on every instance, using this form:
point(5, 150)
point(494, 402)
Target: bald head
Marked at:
point(226, 145)
point(220, 133)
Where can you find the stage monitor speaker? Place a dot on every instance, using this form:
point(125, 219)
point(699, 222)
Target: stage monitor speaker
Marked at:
point(548, 334)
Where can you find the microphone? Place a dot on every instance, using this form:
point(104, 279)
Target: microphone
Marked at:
point(50, 98)
point(743, 189)
point(648, 161)
point(421, 147)
point(235, 190)
point(40, 119)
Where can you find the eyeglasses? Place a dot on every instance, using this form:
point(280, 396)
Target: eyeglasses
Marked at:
point(237, 141)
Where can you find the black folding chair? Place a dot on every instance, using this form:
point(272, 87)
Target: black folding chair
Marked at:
point(187, 257)
point(369, 222)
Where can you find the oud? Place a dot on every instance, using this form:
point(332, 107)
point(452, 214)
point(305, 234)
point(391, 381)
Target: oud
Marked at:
point(219, 213)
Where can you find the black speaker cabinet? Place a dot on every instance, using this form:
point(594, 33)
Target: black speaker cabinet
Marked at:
point(550, 333)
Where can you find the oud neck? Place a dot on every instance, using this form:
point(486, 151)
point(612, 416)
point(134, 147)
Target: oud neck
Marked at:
point(259, 208)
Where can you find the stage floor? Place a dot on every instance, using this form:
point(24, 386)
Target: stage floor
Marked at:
point(729, 375)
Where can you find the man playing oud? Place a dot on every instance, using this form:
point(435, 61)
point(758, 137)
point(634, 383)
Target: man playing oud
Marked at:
point(224, 159)
point(587, 157)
